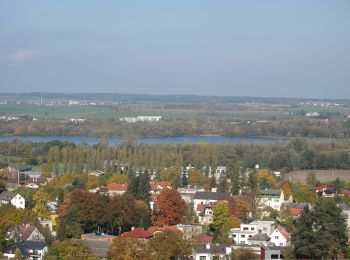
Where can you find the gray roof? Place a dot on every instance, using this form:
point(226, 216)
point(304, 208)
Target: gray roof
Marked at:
point(260, 237)
point(26, 246)
point(270, 192)
point(211, 196)
point(7, 195)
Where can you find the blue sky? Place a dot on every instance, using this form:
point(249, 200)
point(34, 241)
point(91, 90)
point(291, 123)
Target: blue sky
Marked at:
point(293, 48)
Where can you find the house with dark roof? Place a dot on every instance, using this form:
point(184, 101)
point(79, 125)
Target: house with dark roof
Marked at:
point(271, 252)
point(273, 198)
point(209, 198)
point(29, 249)
point(36, 182)
point(25, 232)
point(7, 197)
point(259, 239)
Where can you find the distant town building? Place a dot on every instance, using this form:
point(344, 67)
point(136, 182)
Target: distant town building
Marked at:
point(141, 119)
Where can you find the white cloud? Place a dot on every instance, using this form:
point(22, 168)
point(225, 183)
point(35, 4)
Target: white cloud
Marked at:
point(23, 55)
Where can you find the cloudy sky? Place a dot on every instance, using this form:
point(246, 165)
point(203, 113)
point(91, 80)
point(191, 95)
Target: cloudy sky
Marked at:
point(292, 48)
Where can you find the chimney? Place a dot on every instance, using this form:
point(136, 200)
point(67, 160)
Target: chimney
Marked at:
point(207, 246)
point(132, 228)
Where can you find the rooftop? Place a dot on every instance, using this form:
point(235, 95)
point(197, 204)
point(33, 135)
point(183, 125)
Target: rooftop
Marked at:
point(138, 233)
point(211, 196)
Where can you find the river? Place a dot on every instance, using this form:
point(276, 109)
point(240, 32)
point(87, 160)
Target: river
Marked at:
point(146, 140)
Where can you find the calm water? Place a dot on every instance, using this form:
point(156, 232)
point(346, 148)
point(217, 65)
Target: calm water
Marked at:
point(146, 140)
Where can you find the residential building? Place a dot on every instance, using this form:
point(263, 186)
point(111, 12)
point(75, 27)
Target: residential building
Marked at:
point(159, 186)
point(271, 252)
point(245, 232)
point(211, 251)
point(273, 198)
point(36, 182)
point(29, 249)
point(259, 239)
point(25, 232)
point(280, 237)
point(116, 189)
point(12, 198)
point(204, 213)
point(187, 194)
point(209, 198)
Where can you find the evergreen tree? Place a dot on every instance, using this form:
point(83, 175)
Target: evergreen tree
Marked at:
point(133, 183)
point(144, 188)
point(321, 233)
point(184, 180)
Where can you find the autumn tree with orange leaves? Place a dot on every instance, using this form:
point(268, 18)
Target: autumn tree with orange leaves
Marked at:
point(169, 209)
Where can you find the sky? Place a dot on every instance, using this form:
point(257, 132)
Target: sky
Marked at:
point(292, 48)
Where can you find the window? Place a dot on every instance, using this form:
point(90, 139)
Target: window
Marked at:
point(242, 236)
point(250, 235)
point(276, 237)
point(245, 229)
point(202, 257)
point(281, 244)
point(274, 256)
point(234, 235)
point(252, 228)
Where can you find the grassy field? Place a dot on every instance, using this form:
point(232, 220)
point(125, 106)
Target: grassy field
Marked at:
point(63, 112)
point(321, 175)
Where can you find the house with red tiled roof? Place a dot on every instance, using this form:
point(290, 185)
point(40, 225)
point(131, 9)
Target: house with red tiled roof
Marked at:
point(139, 233)
point(113, 189)
point(280, 237)
point(204, 213)
point(188, 231)
point(325, 191)
point(159, 186)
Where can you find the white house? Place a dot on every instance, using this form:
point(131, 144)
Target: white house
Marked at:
point(25, 232)
point(245, 233)
point(273, 198)
point(29, 249)
point(279, 237)
point(211, 251)
point(12, 198)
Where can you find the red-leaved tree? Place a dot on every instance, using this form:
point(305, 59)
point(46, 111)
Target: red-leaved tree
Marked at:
point(168, 209)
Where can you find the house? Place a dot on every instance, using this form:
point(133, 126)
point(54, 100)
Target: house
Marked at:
point(139, 233)
point(97, 173)
point(220, 171)
point(159, 186)
point(25, 232)
point(204, 213)
point(264, 226)
point(12, 198)
point(209, 198)
point(211, 251)
point(29, 249)
point(116, 189)
point(271, 252)
point(242, 234)
point(273, 198)
point(187, 194)
point(259, 239)
point(188, 231)
point(294, 210)
point(36, 182)
point(280, 237)
point(325, 191)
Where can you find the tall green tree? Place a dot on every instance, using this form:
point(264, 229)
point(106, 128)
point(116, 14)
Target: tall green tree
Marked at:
point(144, 188)
point(321, 233)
